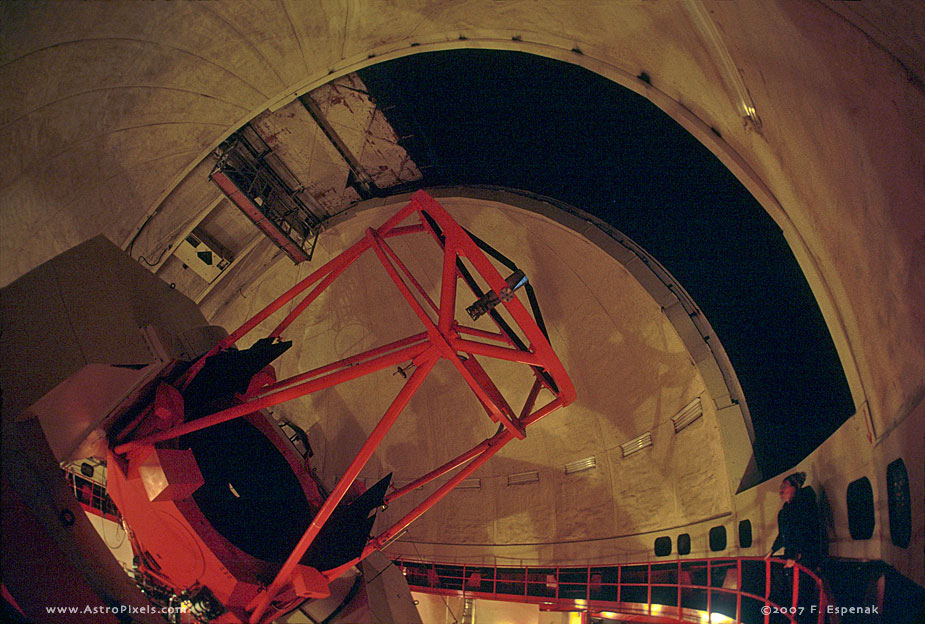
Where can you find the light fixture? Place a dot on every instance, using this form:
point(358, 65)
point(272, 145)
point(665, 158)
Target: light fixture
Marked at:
point(531, 476)
point(729, 71)
point(691, 412)
point(582, 464)
point(637, 444)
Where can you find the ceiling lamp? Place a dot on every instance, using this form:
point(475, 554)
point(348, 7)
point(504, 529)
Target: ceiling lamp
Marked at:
point(691, 412)
point(637, 444)
point(582, 464)
point(531, 476)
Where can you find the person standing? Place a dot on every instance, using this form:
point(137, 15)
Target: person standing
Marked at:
point(799, 534)
point(798, 524)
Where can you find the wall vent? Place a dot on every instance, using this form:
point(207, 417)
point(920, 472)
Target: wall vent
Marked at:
point(470, 484)
point(531, 476)
point(582, 464)
point(637, 444)
point(691, 412)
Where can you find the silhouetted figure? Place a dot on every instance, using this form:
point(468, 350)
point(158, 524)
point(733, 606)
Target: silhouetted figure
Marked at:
point(799, 534)
point(798, 523)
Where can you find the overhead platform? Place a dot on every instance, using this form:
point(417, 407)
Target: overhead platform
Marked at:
point(262, 187)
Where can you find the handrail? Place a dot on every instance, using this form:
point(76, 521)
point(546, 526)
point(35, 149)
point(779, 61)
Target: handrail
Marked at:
point(753, 590)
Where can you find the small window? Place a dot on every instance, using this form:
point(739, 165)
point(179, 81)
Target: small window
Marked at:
point(899, 502)
point(860, 497)
point(662, 546)
point(684, 544)
point(745, 533)
point(718, 538)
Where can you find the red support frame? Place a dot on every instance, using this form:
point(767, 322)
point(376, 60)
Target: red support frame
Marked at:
point(441, 339)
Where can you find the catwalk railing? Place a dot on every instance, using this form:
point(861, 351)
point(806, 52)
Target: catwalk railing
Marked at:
point(752, 590)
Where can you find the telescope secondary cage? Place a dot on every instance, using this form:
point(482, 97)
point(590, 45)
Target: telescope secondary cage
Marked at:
point(522, 341)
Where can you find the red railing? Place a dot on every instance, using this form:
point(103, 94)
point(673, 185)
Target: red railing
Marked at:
point(753, 590)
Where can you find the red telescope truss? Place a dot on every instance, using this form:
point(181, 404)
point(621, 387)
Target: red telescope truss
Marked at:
point(518, 337)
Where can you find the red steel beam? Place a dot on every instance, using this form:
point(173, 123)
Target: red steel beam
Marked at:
point(489, 447)
point(353, 360)
point(481, 333)
point(244, 203)
point(309, 298)
point(294, 392)
point(458, 461)
point(493, 445)
point(424, 363)
point(402, 230)
point(441, 338)
point(404, 269)
point(387, 229)
point(382, 251)
point(497, 441)
point(494, 351)
point(436, 473)
point(448, 285)
point(441, 341)
point(467, 248)
point(531, 398)
point(346, 257)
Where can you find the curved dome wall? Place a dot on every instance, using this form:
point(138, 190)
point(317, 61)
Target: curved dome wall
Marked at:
point(834, 160)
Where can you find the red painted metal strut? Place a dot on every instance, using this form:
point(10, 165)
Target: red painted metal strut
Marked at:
point(441, 338)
